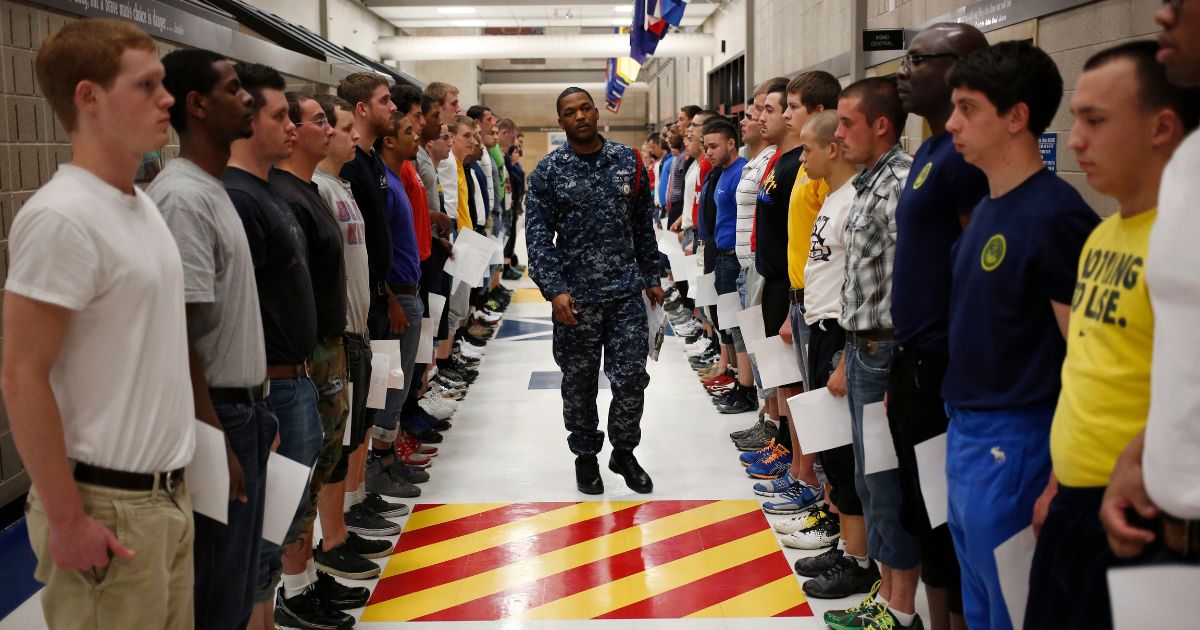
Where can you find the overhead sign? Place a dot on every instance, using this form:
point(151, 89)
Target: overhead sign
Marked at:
point(883, 39)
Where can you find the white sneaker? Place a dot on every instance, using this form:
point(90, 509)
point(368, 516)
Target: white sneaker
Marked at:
point(445, 392)
point(801, 521)
point(824, 533)
point(471, 351)
point(686, 330)
point(435, 409)
point(700, 349)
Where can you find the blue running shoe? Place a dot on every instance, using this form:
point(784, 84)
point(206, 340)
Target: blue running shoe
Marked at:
point(772, 466)
point(796, 499)
point(774, 487)
point(753, 457)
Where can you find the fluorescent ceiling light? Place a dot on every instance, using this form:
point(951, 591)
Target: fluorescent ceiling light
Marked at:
point(456, 10)
point(469, 23)
point(623, 8)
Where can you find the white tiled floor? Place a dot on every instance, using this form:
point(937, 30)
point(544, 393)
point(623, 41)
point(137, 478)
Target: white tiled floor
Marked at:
point(508, 444)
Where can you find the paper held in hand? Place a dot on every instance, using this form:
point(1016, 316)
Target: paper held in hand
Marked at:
point(705, 293)
point(287, 480)
point(931, 468)
point(822, 420)
point(208, 474)
point(776, 361)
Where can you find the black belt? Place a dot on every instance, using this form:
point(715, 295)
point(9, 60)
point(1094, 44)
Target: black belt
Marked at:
point(796, 296)
point(121, 480)
point(240, 395)
point(298, 371)
point(869, 340)
point(1181, 536)
point(405, 289)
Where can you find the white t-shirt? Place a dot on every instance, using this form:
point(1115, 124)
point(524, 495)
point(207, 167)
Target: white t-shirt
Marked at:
point(747, 201)
point(1172, 453)
point(447, 172)
point(336, 192)
point(121, 380)
point(691, 181)
point(826, 268)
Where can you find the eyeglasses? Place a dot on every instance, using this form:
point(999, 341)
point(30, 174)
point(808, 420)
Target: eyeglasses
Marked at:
point(320, 121)
point(914, 60)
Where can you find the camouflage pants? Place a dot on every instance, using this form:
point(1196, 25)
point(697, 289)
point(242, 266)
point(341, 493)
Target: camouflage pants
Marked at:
point(618, 330)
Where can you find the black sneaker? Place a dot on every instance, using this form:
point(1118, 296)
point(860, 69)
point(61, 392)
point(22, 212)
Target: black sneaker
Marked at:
point(843, 579)
point(408, 473)
point(739, 401)
point(342, 561)
point(360, 519)
point(816, 565)
point(383, 507)
point(369, 547)
point(309, 612)
point(334, 594)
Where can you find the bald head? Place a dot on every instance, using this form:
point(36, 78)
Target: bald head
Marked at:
point(955, 37)
point(922, 73)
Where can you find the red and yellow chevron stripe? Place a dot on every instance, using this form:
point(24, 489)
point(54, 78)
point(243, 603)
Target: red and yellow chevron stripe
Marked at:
point(611, 560)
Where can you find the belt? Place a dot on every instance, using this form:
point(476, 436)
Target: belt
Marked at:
point(796, 296)
point(1182, 536)
point(405, 289)
point(298, 371)
point(868, 340)
point(121, 480)
point(240, 395)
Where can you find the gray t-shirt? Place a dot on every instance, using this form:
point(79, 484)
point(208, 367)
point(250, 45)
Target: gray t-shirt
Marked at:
point(218, 274)
point(336, 192)
point(429, 177)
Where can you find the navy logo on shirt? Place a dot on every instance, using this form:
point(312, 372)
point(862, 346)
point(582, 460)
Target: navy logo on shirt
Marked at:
point(993, 252)
point(923, 175)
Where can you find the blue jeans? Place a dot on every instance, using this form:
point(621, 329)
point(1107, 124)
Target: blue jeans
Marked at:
point(997, 465)
point(301, 433)
point(387, 419)
point(226, 559)
point(880, 493)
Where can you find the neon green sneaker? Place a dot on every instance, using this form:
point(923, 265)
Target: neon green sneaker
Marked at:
point(860, 616)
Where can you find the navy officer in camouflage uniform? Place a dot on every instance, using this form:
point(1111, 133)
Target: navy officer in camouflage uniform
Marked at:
point(590, 234)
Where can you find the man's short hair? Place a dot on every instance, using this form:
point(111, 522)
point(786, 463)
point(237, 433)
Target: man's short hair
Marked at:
point(779, 88)
point(706, 113)
point(330, 104)
point(816, 88)
point(477, 111)
point(295, 100)
point(84, 50)
point(690, 110)
point(777, 84)
point(720, 125)
point(460, 121)
point(438, 91)
point(426, 104)
point(1154, 90)
point(405, 97)
point(1010, 73)
point(878, 98)
point(358, 87)
point(568, 92)
point(823, 125)
point(256, 77)
point(506, 124)
point(189, 70)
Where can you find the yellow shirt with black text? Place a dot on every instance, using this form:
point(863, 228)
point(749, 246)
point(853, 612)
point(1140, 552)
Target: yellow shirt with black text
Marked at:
point(808, 195)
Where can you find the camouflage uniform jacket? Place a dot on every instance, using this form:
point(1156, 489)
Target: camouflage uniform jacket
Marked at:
point(589, 225)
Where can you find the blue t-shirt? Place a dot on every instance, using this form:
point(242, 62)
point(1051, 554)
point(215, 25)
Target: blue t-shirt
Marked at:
point(664, 175)
point(941, 188)
point(725, 197)
point(1019, 253)
point(406, 259)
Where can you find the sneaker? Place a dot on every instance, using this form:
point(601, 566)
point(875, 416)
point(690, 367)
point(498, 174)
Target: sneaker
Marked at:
point(759, 439)
point(843, 579)
point(369, 547)
point(816, 565)
point(858, 615)
point(774, 465)
point(774, 487)
point(885, 620)
point(744, 433)
point(752, 458)
point(435, 408)
point(379, 481)
point(795, 499)
point(723, 381)
point(805, 519)
point(334, 594)
point(488, 317)
point(416, 445)
point(740, 400)
point(701, 348)
point(708, 373)
point(383, 507)
point(408, 473)
point(307, 611)
point(440, 390)
point(823, 534)
point(480, 332)
point(470, 352)
point(361, 519)
point(436, 424)
point(686, 329)
point(406, 454)
point(343, 562)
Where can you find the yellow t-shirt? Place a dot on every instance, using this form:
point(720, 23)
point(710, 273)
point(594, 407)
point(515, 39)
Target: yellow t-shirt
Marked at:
point(1106, 376)
point(464, 199)
point(805, 203)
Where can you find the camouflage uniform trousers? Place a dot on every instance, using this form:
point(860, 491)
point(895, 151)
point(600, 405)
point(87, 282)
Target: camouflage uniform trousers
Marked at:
point(618, 329)
point(327, 368)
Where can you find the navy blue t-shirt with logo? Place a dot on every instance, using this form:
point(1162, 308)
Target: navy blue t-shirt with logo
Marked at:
point(1019, 253)
point(941, 189)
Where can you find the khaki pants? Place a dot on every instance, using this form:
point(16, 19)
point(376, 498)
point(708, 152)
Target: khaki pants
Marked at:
point(151, 590)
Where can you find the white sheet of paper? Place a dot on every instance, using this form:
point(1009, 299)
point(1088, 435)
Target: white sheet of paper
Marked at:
point(679, 266)
point(497, 253)
point(1014, 559)
point(377, 392)
point(879, 451)
point(668, 243)
point(654, 317)
point(425, 346)
point(350, 397)
point(208, 474)
point(472, 253)
point(728, 306)
point(390, 347)
point(437, 304)
point(705, 293)
point(776, 361)
point(750, 321)
point(931, 468)
point(822, 420)
point(287, 481)
point(1139, 594)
